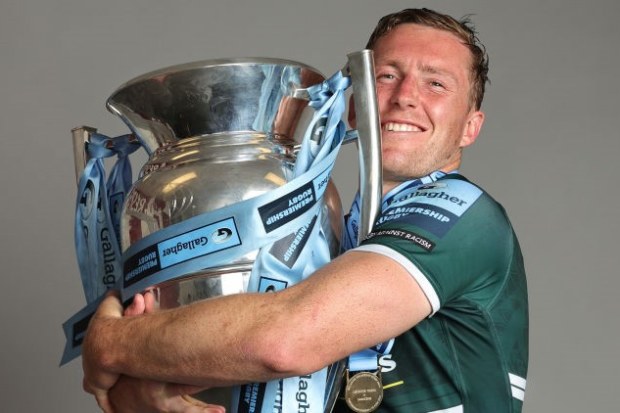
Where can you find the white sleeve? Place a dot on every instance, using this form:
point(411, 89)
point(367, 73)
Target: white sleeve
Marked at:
point(411, 268)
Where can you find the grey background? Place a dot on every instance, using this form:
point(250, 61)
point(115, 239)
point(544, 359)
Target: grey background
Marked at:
point(548, 152)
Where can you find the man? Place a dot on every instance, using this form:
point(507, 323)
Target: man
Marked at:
point(442, 270)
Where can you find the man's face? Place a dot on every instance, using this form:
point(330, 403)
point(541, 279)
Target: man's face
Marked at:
point(423, 91)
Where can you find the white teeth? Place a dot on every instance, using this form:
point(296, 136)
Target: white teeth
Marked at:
point(401, 127)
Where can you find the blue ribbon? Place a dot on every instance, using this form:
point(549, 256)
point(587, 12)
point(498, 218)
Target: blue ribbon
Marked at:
point(97, 221)
point(245, 219)
point(120, 179)
point(389, 200)
point(173, 252)
point(367, 360)
point(282, 264)
point(96, 225)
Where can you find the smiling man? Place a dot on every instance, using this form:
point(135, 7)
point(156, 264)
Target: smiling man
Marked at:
point(442, 270)
point(427, 109)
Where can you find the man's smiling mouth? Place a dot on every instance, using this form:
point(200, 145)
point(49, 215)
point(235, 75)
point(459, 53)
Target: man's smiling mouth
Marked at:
point(401, 127)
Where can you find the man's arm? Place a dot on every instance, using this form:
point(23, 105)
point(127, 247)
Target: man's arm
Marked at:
point(358, 300)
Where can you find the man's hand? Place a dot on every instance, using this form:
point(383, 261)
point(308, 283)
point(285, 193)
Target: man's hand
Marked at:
point(124, 394)
point(141, 304)
point(97, 381)
point(131, 395)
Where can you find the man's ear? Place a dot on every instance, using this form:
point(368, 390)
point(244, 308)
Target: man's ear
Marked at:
point(351, 116)
point(472, 128)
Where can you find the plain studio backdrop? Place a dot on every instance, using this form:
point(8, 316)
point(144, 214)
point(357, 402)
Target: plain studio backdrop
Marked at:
point(547, 152)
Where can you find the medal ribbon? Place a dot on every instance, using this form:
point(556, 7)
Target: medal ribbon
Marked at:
point(120, 179)
point(367, 360)
point(96, 225)
point(302, 252)
point(391, 199)
point(97, 221)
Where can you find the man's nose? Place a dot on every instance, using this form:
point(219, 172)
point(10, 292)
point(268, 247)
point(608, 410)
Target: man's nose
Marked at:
point(407, 93)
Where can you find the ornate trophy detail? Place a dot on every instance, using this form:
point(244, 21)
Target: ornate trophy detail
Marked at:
point(237, 184)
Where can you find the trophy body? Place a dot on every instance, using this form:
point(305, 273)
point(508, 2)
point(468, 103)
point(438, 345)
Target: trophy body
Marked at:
point(201, 174)
point(217, 133)
point(222, 191)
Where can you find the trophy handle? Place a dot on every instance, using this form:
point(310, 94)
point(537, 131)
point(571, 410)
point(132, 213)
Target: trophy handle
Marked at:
point(362, 70)
point(81, 136)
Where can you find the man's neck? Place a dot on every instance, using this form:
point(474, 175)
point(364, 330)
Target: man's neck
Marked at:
point(388, 185)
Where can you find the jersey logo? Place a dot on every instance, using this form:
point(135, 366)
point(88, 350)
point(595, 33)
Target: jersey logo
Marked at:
point(419, 240)
point(386, 363)
point(456, 196)
point(434, 207)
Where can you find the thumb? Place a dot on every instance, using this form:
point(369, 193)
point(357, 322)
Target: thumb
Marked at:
point(111, 305)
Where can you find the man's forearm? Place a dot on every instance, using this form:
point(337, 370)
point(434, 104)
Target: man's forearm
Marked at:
point(257, 337)
point(185, 345)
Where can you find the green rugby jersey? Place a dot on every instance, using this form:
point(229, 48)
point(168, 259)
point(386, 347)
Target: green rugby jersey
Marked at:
point(471, 354)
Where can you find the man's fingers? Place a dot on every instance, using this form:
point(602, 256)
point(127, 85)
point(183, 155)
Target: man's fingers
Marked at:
point(145, 302)
point(150, 301)
point(136, 307)
point(111, 305)
point(184, 403)
point(196, 406)
point(131, 395)
point(104, 402)
point(207, 409)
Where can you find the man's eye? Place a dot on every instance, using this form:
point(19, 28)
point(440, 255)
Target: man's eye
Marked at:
point(387, 76)
point(435, 83)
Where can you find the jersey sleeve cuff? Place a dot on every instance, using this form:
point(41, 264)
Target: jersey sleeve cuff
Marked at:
point(411, 268)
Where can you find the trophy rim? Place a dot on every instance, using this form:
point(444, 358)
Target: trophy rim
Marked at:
point(157, 106)
point(208, 63)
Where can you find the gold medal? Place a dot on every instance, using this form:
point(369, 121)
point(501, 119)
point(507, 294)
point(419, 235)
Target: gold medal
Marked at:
point(364, 391)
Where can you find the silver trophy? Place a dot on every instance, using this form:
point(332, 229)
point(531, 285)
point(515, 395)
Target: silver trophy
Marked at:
point(221, 132)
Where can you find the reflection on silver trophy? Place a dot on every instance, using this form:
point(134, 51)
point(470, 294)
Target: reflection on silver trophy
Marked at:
point(223, 138)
